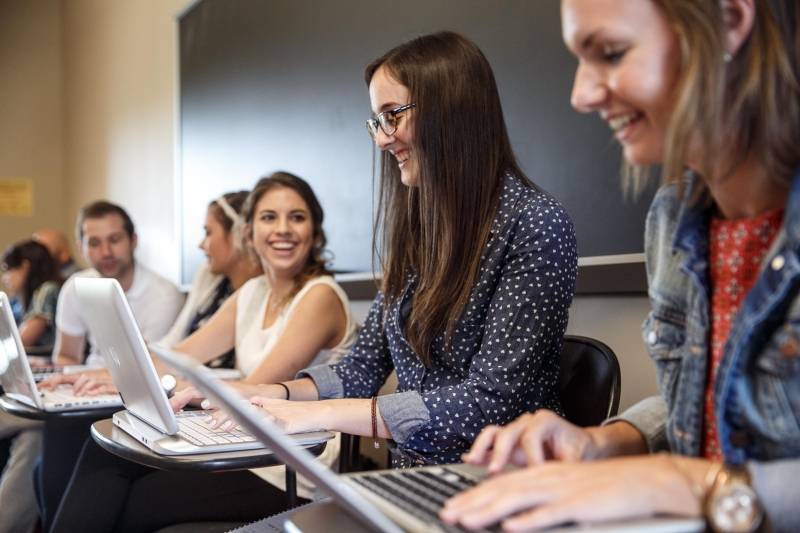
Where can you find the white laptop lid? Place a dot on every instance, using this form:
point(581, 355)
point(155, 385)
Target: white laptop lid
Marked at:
point(290, 453)
point(15, 372)
point(114, 328)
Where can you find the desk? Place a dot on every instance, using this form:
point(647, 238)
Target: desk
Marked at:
point(63, 436)
point(116, 441)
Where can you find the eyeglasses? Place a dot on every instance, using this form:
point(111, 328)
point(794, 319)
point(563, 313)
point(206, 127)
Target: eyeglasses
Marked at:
point(387, 120)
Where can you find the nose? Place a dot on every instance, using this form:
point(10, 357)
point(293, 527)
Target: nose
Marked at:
point(589, 91)
point(202, 243)
point(105, 249)
point(283, 225)
point(382, 141)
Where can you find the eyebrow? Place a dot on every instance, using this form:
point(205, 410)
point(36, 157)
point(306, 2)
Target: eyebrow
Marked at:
point(388, 106)
point(589, 40)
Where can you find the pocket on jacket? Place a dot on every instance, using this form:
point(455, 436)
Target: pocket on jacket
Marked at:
point(664, 339)
point(777, 383)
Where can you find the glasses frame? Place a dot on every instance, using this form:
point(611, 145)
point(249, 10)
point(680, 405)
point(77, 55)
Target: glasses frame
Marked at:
point(379, 120)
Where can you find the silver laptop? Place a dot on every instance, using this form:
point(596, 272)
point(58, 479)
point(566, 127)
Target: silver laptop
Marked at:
point(148, 416)
point(388, 501)
point(17, 378)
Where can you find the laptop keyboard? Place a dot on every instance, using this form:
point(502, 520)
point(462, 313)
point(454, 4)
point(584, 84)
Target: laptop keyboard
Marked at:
point(62, 398)
point(420, 492)
point(193, 427)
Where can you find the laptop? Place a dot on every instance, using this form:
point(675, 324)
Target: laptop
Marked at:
point(148, 416)
point(18, 381)
point(388, 501)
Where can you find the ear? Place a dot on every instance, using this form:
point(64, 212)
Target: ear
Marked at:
point(738, 16)
point(134, 241)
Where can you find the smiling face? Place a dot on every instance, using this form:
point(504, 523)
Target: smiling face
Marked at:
point(628, 63)
point(107, 246)
point(283, 232)
point(386, 93)
point(218, 245)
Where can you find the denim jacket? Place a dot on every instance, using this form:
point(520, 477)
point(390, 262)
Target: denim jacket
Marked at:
point(757, 389)
point(503, 359)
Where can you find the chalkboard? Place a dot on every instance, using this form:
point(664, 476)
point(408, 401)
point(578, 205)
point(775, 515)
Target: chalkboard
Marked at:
point(278, 85)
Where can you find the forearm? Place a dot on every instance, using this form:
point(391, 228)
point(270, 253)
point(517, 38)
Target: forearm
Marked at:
point(31, 330)
point(300, 390)
point(354, 416)
point(615, 439)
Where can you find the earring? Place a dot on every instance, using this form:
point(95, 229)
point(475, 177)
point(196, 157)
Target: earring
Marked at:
point(727, 57)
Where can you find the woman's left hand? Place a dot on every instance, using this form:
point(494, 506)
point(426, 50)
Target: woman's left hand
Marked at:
point(557, 492)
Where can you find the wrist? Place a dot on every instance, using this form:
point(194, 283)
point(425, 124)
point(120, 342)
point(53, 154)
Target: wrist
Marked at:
point(617, 438)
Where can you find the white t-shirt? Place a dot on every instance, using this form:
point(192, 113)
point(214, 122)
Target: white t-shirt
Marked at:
point(155, 302)
point(254, 343)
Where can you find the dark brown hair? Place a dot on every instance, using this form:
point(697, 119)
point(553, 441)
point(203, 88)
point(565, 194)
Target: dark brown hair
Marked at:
point(437, 230)
point(100, 209)
point(43, 267)
point(315, 265)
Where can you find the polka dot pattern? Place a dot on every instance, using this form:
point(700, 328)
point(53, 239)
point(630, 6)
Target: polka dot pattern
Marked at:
point(504, 356)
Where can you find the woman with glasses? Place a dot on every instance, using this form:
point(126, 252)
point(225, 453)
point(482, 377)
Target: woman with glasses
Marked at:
point(478, 270)
point(709, 90)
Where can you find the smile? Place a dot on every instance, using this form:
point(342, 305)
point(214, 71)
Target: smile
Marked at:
point(283, 245)
point(621, 122)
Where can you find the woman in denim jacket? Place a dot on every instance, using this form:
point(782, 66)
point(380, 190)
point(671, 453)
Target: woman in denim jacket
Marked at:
point(478, 267)
point(709, 86)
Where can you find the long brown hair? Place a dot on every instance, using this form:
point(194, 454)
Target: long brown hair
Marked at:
point(750, 102)
point(316, 264)
point(437, 230)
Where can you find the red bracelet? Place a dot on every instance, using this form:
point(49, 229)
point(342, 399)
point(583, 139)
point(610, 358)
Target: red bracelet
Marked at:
point(375, 422)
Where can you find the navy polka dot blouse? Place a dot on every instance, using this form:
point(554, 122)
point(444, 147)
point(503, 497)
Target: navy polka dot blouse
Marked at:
point(504, 355)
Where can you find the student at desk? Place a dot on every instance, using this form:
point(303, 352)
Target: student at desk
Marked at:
point(709, 87)
point(280, 322)
point(30, 274)
point(478, 265)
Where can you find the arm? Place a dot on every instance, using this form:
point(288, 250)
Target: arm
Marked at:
point(516, 367)
point(68, 349)
point(318, 322)
point(31, 329)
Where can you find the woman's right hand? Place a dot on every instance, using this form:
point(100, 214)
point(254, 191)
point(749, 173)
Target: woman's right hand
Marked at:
point(532, 439)
point(184, 397)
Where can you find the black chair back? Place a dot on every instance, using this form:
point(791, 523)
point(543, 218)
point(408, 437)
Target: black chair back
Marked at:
point(589, 383)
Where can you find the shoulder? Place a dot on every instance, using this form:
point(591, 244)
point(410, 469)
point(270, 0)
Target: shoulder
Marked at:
point(322, 291)
point(256, 286)
point(69, 285)
point(155, 283)
point(48, 289)
point(532, 211)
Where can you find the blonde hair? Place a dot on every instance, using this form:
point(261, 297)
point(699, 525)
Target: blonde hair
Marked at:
point(750, 101)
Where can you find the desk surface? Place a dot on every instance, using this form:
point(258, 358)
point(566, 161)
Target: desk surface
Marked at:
point(116, 441)
point(14, 407)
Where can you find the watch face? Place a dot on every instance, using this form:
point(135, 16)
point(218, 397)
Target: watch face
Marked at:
point(735, 508)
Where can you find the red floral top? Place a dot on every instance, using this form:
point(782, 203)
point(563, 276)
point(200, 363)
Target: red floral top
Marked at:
point(736, 250)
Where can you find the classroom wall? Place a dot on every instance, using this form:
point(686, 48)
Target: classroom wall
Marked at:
point(120, 82)
point(31, 111)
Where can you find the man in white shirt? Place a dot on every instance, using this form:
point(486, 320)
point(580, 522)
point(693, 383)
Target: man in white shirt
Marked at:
point(107, 240)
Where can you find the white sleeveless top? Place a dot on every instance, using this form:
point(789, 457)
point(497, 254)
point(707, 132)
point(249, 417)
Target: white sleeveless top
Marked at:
point(254, 343)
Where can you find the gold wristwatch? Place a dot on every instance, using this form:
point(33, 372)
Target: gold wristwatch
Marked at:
point(732, 506)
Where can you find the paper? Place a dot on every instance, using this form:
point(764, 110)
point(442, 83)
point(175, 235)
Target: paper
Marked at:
point(16, 197)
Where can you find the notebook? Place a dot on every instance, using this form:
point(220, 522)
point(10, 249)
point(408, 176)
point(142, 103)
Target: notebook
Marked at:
point(148, 416)
point(17, 377)
point(388, 501)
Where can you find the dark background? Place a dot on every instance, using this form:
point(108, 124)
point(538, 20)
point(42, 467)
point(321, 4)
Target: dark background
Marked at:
point(278, 85)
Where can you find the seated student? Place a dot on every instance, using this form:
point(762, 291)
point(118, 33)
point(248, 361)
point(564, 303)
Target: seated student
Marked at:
point(478, 265)
point(56, 243)
point(107, 239)
point(710, 87)
point(31, 275)
point(229, 265)
point(278, 323)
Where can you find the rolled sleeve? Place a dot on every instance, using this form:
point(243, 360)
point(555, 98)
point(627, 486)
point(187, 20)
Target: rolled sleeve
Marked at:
point(329, 384)
point(773, 483)
point(649, 417)
point(404, 413)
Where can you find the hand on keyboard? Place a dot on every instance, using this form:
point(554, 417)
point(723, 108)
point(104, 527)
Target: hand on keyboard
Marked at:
point(184, 397)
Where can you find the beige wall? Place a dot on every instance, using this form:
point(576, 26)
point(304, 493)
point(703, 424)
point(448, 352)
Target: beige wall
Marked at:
point(120, 87)
point(31, 110)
